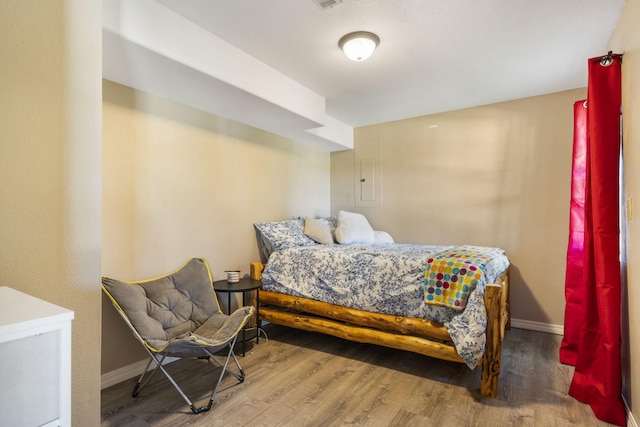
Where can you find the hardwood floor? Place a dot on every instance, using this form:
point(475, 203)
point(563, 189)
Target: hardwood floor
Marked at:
point(300, 378)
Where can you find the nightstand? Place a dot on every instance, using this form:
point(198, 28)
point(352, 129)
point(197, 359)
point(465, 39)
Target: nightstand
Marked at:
point(246, 286)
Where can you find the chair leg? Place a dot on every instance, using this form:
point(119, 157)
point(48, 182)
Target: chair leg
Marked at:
point(224, 369)
point(139, 386)
point(240, 376)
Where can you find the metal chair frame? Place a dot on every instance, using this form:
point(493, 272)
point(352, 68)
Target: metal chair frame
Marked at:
point(159, 358)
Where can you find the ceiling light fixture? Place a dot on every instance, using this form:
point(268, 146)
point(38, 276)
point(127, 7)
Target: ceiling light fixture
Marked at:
point(359, 45)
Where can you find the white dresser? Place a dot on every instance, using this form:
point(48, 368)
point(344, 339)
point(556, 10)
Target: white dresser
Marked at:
point(35, 361)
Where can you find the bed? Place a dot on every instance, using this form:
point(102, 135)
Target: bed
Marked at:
point(372, 290)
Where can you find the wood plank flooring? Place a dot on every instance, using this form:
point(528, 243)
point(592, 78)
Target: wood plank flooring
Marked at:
point(300, 378)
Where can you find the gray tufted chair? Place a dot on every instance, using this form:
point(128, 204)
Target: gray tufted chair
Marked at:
point(178, 315)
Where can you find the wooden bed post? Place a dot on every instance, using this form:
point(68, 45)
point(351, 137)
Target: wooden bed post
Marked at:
point(491, 358)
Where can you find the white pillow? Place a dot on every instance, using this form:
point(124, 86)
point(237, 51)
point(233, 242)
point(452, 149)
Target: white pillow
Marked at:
point(353, 228)
point(318, 230)
point(382, 238)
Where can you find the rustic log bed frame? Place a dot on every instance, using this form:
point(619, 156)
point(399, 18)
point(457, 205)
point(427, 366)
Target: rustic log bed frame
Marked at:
point(411, 334)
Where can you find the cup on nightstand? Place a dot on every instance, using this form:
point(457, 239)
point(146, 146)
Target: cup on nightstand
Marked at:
point(233, 276)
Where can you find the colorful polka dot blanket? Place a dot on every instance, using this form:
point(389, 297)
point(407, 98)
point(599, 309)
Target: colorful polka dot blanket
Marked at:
point(452, 275)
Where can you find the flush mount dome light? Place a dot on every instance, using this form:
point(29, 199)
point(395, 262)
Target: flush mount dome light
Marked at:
point(359, 45)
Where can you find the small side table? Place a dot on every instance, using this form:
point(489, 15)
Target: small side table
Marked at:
point(245, 286)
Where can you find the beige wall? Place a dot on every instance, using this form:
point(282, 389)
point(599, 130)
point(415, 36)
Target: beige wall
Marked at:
point(50, 209)
point(180, 183)
point(626, 39)
point(50, 172)
point(497, 175)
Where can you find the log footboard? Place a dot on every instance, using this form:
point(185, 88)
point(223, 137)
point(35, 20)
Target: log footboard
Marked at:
point(416, 335)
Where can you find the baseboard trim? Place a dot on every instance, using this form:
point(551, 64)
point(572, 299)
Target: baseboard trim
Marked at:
point(538, 326)
point(127, 372)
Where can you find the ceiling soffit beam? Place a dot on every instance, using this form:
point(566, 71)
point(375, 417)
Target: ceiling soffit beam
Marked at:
point(151, 48)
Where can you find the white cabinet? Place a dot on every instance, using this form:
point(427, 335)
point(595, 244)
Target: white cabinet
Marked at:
point(35, 361)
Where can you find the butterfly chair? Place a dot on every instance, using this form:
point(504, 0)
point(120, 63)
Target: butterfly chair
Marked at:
point(178, 315)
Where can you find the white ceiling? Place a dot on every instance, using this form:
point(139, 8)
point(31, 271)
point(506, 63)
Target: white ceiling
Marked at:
point(434, 55)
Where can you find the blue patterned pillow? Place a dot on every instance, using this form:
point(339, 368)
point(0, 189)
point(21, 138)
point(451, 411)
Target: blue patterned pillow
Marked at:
point(283, 234)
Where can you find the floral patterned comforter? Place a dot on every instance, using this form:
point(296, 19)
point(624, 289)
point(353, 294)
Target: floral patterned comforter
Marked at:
point(385, 279)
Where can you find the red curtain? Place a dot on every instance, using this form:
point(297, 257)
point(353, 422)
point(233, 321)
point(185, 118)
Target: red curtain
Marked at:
point(592, 318)
point(573, 288)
